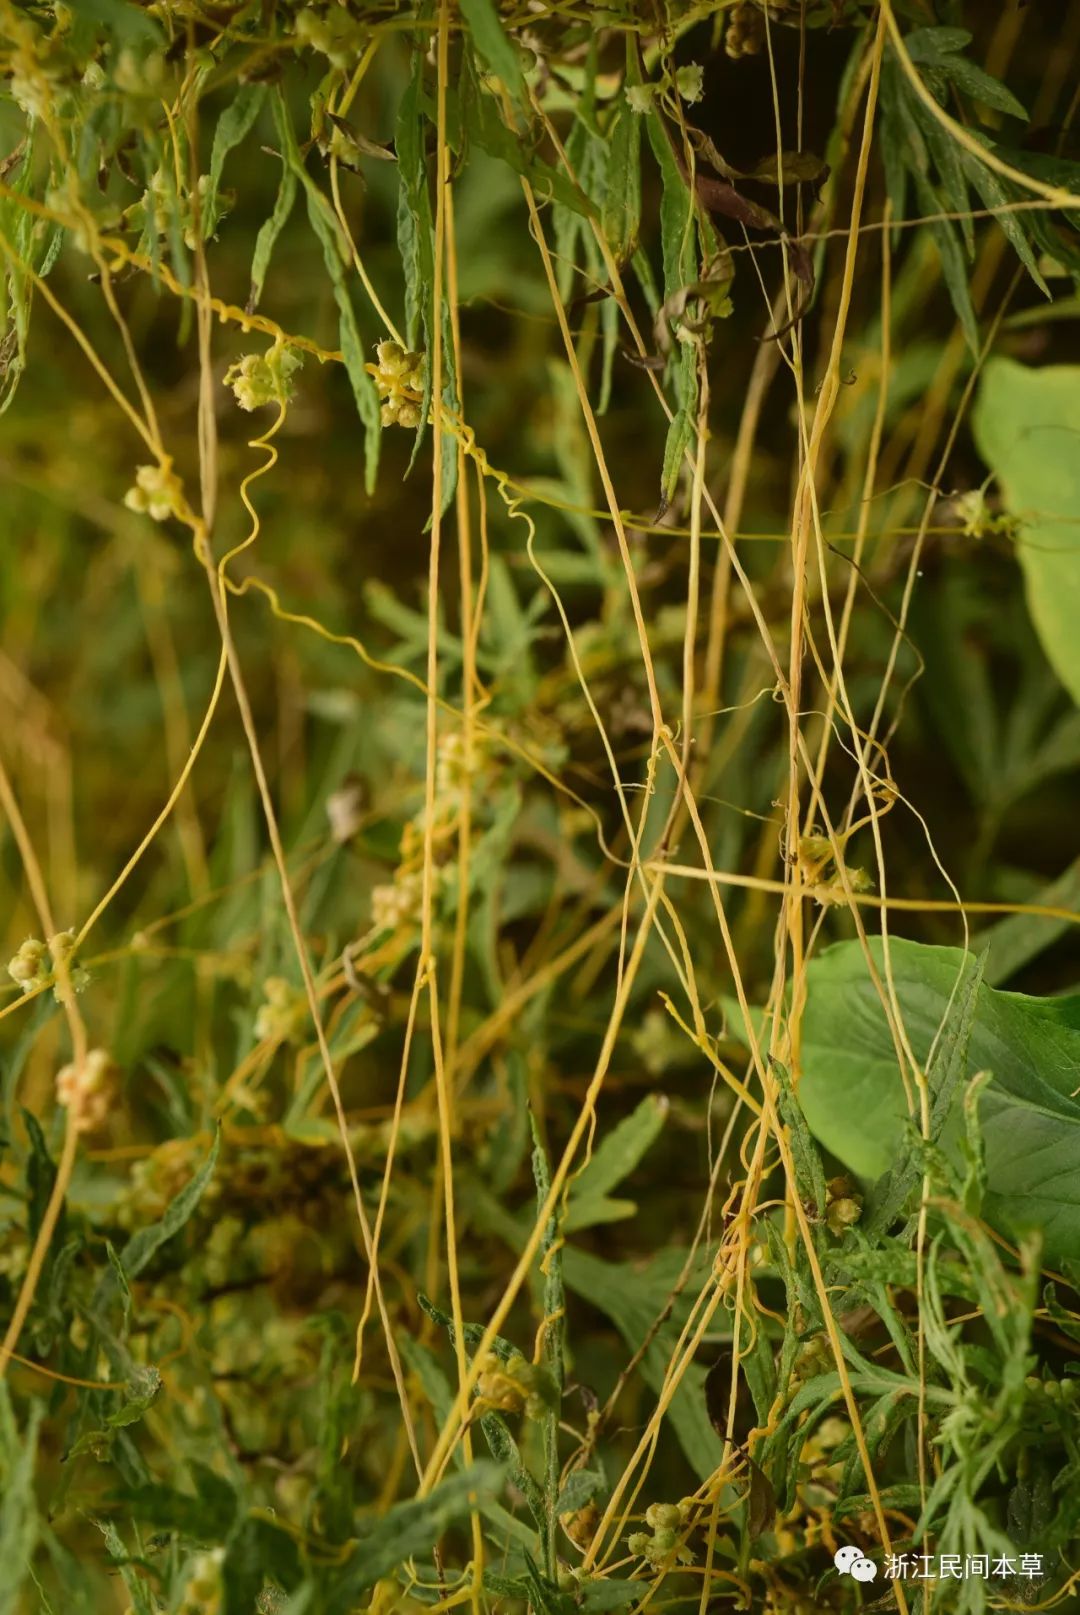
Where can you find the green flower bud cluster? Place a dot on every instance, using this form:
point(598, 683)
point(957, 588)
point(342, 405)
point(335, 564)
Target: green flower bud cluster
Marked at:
point(282, 1017)
point(162, 200)
point(158, 492)
point(665, 1522)
point(1059, 1392)
point(397, 902)
point(399, 378)
point(35, 964)
point(335, 35)
point(514, 1386)
point(264, 378)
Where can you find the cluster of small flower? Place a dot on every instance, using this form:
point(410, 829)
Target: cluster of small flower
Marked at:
point(281, 1018)
point(397, 901)
point(514, 1385)
point(37, 963)
point(158, 492)
point(87, 1089)
point(263, 378)
point(399, 379)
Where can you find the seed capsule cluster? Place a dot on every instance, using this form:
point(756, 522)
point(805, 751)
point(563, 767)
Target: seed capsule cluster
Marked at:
point(745, 32)
point(665, 1521)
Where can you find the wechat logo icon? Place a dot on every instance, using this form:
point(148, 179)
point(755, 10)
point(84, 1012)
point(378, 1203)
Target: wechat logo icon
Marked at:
point(851, 1562)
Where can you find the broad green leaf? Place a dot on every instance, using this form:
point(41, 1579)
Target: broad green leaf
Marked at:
point(1027, 427)
point(615, 1157)
point(499, 52)
point(853, 1099)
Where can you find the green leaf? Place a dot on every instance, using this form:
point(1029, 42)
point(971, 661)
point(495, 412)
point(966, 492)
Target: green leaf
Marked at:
point(1027, 428)
point(582, 1485)
point(144, 1245)
point(500, 54)
point(1014, 941)
point(234, 125)
point(947, 159)
point(415, 226)
point(334, 251)
point(18, 1510)
point(994, 193)
point(810, 1176)
point(126, 21)
point(676, 213)
point(606, 1593)
point(633, 1295)
point(953, 263)
point(267, 238)
point(553, 1349)
point(621, 216)
point(854, 1102)
point(617, 1156)
point(940, 48)
point(981, 87)
point(141, 1600)
point(143, 1392)
point(406, 1529)
point(943, 1074)
point(40, 1178)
